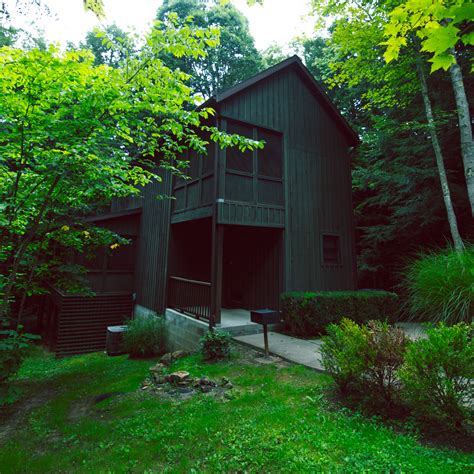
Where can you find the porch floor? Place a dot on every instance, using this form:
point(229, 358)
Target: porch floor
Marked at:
point(235, 317)
point(234, 321)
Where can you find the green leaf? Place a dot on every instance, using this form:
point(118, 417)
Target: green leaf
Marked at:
point(441, 39)
point(468, 39)
point(442, 61)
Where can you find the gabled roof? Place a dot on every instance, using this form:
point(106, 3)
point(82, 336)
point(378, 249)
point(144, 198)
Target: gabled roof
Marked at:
point(295, 63)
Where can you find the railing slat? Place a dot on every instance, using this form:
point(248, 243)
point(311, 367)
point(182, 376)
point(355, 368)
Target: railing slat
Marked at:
point(192, 297)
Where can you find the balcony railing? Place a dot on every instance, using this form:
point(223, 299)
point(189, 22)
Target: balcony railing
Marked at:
point(191, 297)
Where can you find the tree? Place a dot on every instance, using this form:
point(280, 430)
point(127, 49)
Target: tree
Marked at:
point(75, 135)
point(232, 61)
point(441, 25)
point(8, 35)
point(272, 55)
point(111, 50)
point(398, 204)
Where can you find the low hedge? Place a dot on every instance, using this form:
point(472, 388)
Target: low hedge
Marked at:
point(308, 314)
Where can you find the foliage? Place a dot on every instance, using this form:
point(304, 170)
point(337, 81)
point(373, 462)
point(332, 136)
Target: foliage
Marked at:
point(384, 355)
point(13, 347)
point(343, 353)
point(278, 421)
point(308, 314)
point(438, 374)
point(95, 6)
point(215, 345)
point(364, 358)
point(145, 337)
point(111, 46)
point(272, 55)
point(397, 194)
point(78, 135)
point(232, 61)
point(440, 286)
point(440, 25)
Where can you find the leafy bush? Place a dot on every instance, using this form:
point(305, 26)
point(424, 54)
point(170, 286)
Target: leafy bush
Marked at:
point(215, 345)
point(438, 374)
point(440, 286)
point(343, 352)
point(386, 346)
point(145, 337)
point(362, 357)
point(13, 349)
point(308, 314)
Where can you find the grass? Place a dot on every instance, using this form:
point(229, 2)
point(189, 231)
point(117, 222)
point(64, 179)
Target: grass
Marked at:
point(279, 421)
point(440, 286)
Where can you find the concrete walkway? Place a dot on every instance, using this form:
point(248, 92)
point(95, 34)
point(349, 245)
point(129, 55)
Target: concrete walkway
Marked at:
point(300, 351)
point(307, 351)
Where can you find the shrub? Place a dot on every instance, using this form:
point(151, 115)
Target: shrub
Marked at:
point(440, 286)
point(438, 374)
point(13, 348)
point(386, 346)
point(145, 337)
point(308, 314)
point(343, 353)
point(215, 345)
point(362, 357)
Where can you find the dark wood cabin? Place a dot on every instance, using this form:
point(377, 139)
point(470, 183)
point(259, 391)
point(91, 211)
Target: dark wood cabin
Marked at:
point(248, 226)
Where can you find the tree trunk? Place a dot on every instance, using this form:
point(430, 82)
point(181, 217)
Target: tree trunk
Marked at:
point(465, 129)
point(22, 247)
point(458, 243)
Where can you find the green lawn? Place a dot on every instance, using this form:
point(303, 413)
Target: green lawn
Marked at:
point(278, 421)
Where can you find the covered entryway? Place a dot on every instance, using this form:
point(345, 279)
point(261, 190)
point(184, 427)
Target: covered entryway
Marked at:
point(224, 276)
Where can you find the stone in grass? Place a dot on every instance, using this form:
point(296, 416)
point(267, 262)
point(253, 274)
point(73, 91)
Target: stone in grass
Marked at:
point(170, 357)
point(226, 383)
point(158, 368)
point(157, 373)
point(159, 379)
point(204, 384)
point(178, 378)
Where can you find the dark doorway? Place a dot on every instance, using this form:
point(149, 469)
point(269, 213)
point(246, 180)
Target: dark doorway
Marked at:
point(252, 267)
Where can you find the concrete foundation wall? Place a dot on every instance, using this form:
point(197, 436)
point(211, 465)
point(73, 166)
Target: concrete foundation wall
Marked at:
point(184, 332)
point(143, 312)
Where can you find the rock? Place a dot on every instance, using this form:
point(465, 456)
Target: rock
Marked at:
point(159, 367)
point(228, 386)
point(167, 359)
point(170, 357)
point(179, 354)
point(159, 378)
point(178, 378)
point(205, 388)
point(205, 381)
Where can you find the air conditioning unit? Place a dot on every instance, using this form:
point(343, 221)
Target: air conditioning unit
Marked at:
point(114, 340)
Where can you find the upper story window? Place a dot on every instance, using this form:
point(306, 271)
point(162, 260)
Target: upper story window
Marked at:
point(237, 160)
point(269, 159)
point(331, 249)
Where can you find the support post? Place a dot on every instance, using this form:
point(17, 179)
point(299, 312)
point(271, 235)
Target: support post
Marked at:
point(265, 339)
point(216, 279)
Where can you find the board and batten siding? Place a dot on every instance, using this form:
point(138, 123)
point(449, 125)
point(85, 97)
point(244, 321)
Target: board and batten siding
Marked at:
point(152, 259)
point(317, 176)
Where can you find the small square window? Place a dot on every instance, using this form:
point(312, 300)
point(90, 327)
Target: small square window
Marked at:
point(331, 249)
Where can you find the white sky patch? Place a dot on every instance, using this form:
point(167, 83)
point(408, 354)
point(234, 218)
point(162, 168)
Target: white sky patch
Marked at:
point(277, 21)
